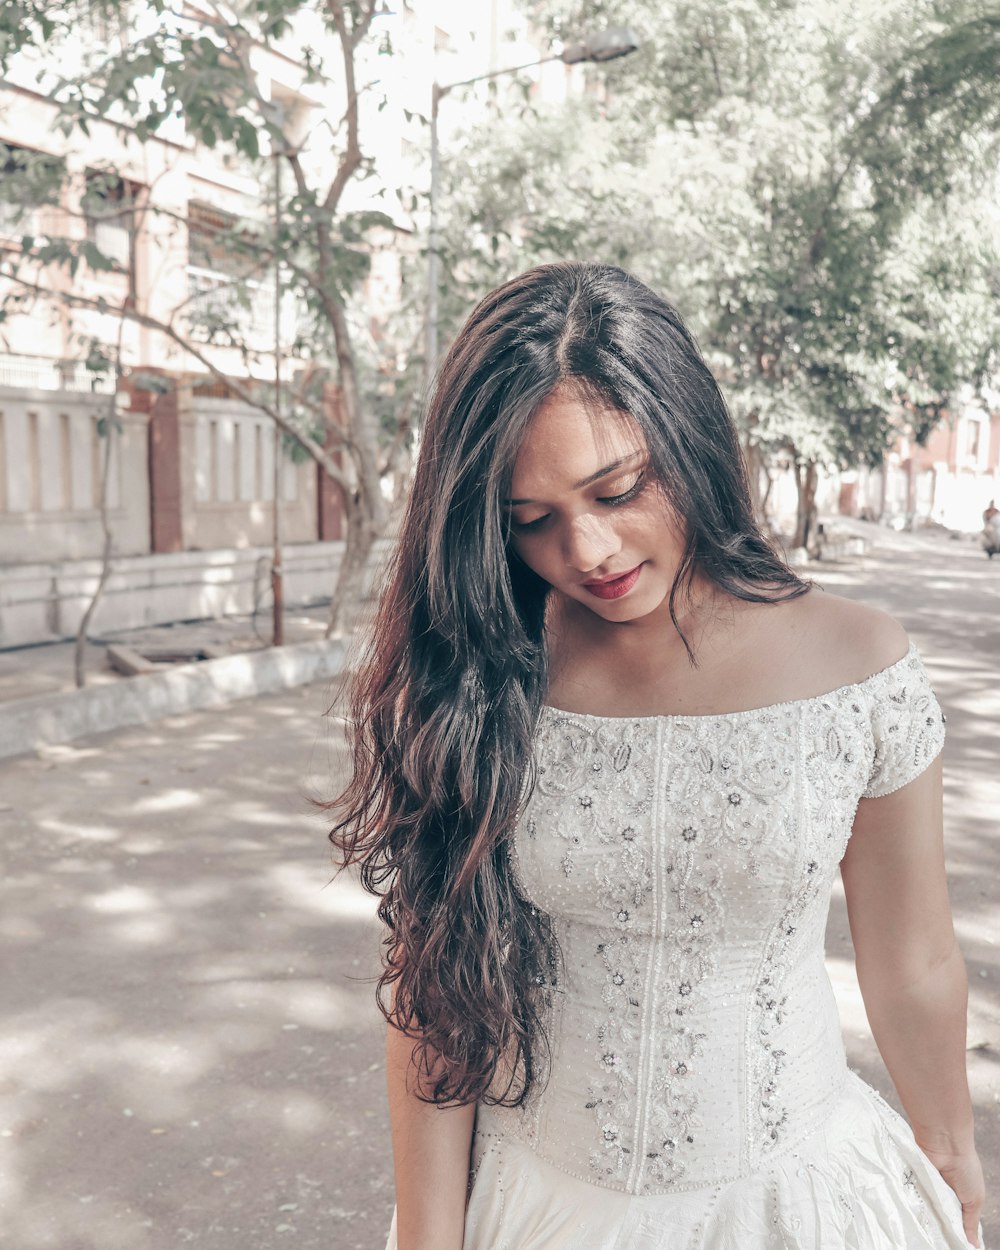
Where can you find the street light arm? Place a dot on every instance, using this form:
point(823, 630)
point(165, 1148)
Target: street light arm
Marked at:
point(441, 89)
point(606, 45)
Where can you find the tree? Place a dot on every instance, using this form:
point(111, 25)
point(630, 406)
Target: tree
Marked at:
point(766, 163)
point(193, 73)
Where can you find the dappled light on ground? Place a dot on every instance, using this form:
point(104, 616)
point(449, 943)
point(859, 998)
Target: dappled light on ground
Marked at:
point(174, 800)
point(189, 1008)
point(948, 596)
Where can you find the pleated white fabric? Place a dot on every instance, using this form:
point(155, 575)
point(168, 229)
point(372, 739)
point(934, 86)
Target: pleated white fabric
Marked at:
point(859, 1182)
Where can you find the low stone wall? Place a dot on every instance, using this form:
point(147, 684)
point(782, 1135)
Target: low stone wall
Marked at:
point(44, 602)
point(27, 724)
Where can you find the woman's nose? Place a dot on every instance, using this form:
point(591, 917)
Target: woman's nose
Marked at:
point(589, 542)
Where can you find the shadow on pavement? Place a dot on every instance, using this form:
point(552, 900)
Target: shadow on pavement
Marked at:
point(190, 1052)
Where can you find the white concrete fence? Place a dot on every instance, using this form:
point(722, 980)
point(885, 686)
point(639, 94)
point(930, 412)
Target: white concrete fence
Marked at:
point(52, 451)
point(51, 459)
point(44, 602)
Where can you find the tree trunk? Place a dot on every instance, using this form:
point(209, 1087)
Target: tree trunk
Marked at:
point(347, 604)
point(766, 497)
point(806, 480)
point(79, 651)
point(756, 469)
point(359, 420)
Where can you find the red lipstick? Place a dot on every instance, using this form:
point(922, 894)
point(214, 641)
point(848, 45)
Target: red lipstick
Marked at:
point(613, 587)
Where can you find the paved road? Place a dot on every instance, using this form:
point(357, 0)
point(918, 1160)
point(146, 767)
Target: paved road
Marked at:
point(947, 594)
point(188, 1055)
point(188, 1050)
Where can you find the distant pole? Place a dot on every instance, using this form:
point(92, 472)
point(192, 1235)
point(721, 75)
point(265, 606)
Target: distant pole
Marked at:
point(605, 45)
point(435, 244)
point(277, 580)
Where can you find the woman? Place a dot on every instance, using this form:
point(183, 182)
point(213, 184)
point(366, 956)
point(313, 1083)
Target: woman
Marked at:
point(609, 753)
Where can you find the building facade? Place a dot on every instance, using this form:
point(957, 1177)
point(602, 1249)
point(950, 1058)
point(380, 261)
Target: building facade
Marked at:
point(947, 482)
point(194, 474)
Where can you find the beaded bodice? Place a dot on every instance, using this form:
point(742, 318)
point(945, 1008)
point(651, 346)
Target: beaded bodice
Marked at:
point(686, 863)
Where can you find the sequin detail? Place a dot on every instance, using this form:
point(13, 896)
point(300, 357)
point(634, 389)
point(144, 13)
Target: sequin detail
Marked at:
point(686, 865)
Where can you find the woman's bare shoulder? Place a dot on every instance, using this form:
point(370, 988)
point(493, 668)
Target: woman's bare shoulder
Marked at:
point(847, 639)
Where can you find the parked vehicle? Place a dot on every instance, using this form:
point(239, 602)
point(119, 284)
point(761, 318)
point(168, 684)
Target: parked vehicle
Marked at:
point(991, 536)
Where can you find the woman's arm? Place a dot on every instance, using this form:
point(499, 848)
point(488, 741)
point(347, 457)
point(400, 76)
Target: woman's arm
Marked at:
point(431, 1147)
point(912, 975)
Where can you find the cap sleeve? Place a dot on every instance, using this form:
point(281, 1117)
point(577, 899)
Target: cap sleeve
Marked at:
point(907, 725)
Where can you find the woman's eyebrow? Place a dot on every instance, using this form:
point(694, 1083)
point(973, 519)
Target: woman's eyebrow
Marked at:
point(594, 477)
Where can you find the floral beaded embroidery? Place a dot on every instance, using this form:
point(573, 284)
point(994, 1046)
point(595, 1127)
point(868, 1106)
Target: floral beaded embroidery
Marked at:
point(907, 726)
point(686, 865)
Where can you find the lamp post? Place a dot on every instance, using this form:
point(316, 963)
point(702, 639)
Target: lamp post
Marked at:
point(605, 45)
point(274, 112)
point(277, 562)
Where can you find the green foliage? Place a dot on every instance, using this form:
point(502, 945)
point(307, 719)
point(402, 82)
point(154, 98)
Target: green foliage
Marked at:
point(941, 102)
point(24, 23)
point(165, 71)
point(151, 383)
point(106, 424)
point(60, 253)
point(28, 180)
point(785, 171)
point(292, 449)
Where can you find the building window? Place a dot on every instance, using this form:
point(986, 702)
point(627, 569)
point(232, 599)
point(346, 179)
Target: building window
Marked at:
point(109, 209)
point(29, 181)
point(973, 442)
point(207, 231)
point(230, 288)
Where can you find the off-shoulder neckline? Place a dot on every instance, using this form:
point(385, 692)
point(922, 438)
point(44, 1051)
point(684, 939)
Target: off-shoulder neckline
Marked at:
point(911, 651)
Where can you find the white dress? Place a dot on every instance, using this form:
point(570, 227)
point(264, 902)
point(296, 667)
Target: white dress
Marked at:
point(697, 1095)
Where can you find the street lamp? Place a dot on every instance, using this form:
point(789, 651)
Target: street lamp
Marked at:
point(604, 45)
point(274, 113)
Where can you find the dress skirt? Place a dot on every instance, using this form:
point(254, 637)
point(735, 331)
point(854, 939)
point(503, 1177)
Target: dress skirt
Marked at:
point(860, 1182)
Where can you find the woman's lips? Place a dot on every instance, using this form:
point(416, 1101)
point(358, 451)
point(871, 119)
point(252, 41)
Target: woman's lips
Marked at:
point(616, 587)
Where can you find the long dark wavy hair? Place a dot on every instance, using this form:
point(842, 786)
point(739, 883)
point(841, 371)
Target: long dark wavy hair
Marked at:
point(444, 701)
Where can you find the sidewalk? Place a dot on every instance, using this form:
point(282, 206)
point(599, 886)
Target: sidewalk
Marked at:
point(26, 672)
point(161, 671)
point(230, 658)
point(184, 1021)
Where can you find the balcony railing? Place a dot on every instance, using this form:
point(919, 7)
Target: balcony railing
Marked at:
point(215, 295)
point(41, 373)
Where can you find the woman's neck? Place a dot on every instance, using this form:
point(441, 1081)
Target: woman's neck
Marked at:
point(701, 609)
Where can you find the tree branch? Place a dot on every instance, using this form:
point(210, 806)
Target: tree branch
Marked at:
point(350, 161)
point(308, 444)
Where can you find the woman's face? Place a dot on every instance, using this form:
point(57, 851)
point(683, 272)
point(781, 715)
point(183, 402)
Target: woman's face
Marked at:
point(585, 507)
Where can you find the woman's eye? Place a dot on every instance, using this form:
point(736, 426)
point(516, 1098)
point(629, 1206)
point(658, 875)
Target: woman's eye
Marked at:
point(529, 525)
point(614, 500)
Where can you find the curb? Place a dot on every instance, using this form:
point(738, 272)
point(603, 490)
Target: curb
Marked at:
point(46, 720)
